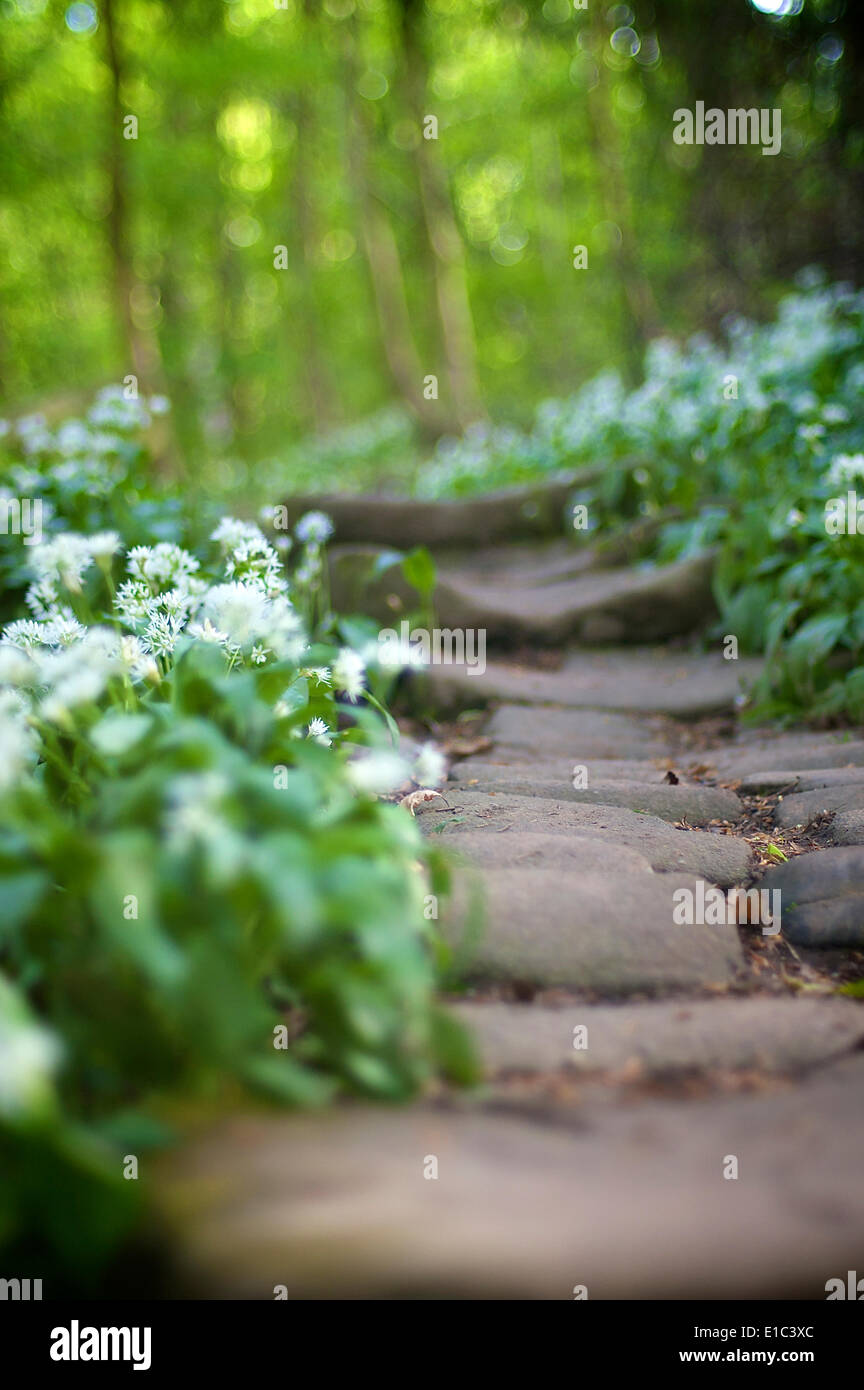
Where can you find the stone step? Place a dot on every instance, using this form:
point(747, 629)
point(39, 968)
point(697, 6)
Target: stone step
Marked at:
point(627, 1200)
point(536, 510)
point(659, 1038)
point(755, 751)
point(537, 851)
point(696, 804)
point(717, 858)
point(822, 897)
point(771, 783)
point(501, 764)
point(803, 807)
point(574, 736)
point(588, 931)
point(606, 606)
point(642, 680)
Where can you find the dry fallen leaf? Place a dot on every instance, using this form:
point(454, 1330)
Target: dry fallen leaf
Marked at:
point(418, 798)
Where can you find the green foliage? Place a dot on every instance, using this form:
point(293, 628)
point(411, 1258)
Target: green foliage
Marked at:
point(740, 448)
point(549, 134)
point(205, 895)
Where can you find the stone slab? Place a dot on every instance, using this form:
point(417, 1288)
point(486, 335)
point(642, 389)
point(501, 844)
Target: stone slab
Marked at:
point(697, 804)
point(613, 934)
point(629, 1201)
point(576, 735)
point(643, 680)
point(777, 1035)
point(720, 859)
point(534, 851)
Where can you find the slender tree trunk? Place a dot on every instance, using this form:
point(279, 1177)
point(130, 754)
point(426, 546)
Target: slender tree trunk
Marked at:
point(640, 312)
point(443, 239)
point(322, 401)
point(385, 267)
point(142, 345)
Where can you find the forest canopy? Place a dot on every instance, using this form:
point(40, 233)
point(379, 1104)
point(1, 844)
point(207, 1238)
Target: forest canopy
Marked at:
point(289, 215)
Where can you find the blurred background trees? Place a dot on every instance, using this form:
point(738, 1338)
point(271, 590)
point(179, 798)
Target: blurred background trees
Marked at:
point(302, 125)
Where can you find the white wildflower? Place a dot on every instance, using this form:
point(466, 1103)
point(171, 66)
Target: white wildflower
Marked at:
point(28, 1056)
point(230, 533)
point(285, 635)
point(24, 633)
point(63, 629)
point(378, 772)
point(429, 766)
point(349, 669)
point(16, 667)
point(241, 611)
point(319, 674)
point(132, 600)
point(104, 544)
point(162, 633)
point(206, 632)
point(846, 470)
point(320, 732)
point(314, 528)
point(163, 565)
point(62, 560)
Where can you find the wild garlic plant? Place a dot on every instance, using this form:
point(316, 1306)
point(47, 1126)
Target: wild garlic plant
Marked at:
point(208, 885)
point(97, 640)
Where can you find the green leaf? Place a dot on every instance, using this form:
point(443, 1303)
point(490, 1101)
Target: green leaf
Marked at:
point(19, 895)
point(116, 733)
point(418, 567)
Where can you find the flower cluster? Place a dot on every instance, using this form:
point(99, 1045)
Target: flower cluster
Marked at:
point(85, 647)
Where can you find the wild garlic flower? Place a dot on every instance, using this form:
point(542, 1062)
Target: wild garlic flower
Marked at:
point(131, 601)
point(62, 560)
point(206, 632)
point(349, 671)
point(16, 667)
point(846, 470)
point(319, 674)
point(24, 632)
point(29, 1055)
point(104, 544)
point(378, 772)
point(314, 528)
point(62, 629)
point(230, 533)
point(256, 562)
point(162, 633)
point(241, 611)
point(320, 732)
point(18, 741)
point(429, 766)
point(162, 566)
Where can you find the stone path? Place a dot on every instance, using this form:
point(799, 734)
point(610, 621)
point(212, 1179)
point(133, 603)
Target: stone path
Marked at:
point(633, 1063)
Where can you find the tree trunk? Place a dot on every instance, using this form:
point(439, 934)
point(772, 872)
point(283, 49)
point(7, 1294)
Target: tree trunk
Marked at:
point(385, 267)
point(141, 345)
point(640, 312)
point(443, 238)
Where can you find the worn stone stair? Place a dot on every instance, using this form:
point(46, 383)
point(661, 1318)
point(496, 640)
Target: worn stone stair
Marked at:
point(631, 1062)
